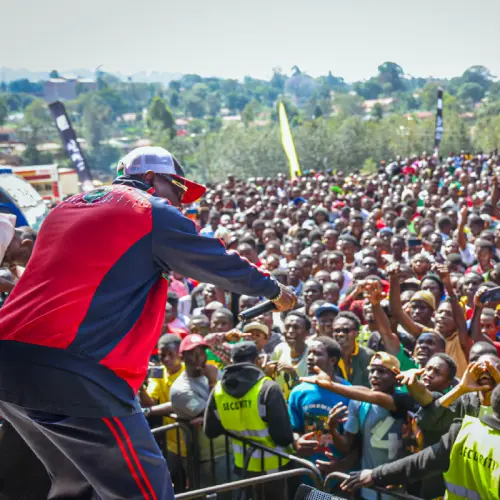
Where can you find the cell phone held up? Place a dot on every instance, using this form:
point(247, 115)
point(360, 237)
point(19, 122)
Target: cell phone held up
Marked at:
point(491, 295)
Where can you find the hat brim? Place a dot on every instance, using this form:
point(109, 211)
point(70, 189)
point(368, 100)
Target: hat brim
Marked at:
point(194, 190)
point(194, 346)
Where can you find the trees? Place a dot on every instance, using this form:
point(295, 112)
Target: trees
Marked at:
point(115, 101)
point(348, 105)
point(193, 105)
point(391, 77)
point(336, 83)
point(35, 128)
point(472, 92)
point(96, 119)
point(54, 74)
point(4, 110)
point(24, 85)
point(197, 126)
point(377, 111)
point(249, 113)
point(236, 101)
point(187, 81)
point(175, 99)
point(278, 80)
point(301, 87)
point(160, 117)
point(478, 75)
point(487, 133)
point(428, 96)
point(370, 89)
point(213, 105)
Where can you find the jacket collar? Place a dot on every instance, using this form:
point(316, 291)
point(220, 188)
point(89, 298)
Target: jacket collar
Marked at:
point(126, 180)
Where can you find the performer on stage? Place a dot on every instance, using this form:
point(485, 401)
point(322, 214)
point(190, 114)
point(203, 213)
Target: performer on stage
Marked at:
point(77, 331)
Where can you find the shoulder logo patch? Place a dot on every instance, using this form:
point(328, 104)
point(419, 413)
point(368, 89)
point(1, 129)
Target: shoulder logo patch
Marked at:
point(96, 195)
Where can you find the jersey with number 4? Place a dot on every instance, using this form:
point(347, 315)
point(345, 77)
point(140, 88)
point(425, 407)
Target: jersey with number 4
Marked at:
point(380, 430)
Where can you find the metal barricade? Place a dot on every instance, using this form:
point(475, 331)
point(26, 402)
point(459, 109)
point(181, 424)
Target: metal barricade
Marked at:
point(183, 469)
point(203, 478)
point(340, 476)
point(213, 491)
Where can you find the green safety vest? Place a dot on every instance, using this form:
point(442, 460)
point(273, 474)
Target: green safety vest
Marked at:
point(474, 472)
point(243, 416)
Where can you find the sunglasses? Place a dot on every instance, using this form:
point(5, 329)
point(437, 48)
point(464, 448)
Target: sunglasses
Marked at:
point(342, 330)
point(178, 184)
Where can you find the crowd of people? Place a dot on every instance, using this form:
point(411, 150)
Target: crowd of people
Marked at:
point(392, 271)
point(394, 336)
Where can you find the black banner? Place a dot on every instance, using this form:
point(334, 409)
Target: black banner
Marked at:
point(71, 145)
point(439, 119)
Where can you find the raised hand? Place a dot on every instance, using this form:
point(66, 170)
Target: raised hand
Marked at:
point(286, 368)
point(463, 213)
point(492, 369)
point(326, 467)
point(469, 381)
point(337, 416)
point(394, 270)
point(373, 292)
point(410, 377)
point(477, 297)
point(306, 444)
point(233, 335)
point(321, 378)
point(443, 272)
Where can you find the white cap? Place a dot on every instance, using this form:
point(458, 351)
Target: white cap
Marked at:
point(256, 326)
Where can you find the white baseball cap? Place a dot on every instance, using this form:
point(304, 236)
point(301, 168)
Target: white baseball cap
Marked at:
point(159, 161)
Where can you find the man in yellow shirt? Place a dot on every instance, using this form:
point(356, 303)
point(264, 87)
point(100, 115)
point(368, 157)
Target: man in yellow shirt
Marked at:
point(156, 402)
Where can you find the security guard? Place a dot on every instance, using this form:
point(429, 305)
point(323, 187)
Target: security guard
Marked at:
point(468, 455)
point(247, 403)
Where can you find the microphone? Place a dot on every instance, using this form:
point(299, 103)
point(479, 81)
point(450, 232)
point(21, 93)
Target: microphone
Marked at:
point(307, 493)
point(257, 310)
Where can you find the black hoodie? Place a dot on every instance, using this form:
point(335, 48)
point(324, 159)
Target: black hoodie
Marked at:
point(237, 380)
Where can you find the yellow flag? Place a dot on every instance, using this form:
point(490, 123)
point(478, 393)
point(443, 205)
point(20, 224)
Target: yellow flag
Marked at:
point(287, 141)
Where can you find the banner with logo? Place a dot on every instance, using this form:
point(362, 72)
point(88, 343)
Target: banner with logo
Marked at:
point(439, 120)
point(68, 137)
point(287, 141)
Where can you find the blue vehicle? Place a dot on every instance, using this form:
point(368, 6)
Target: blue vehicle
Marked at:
point(20, 198)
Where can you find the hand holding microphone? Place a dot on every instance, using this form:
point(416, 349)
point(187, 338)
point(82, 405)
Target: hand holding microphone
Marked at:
point(285, 301)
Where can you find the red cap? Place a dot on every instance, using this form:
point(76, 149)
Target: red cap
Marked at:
point(191, 341)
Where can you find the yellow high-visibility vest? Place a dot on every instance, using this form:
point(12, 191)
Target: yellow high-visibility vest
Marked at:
point(243, 416)
point(474, 471)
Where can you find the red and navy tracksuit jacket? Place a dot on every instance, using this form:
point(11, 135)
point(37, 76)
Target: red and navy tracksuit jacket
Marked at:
point(77, 331)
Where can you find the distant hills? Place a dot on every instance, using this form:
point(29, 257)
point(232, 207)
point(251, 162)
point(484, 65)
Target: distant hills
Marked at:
point(10, 74)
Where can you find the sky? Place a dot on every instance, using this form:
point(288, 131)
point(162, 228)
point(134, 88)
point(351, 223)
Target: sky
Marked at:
point(232, 38)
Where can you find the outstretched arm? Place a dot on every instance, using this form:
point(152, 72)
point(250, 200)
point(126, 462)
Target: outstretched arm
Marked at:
point(373, 293)
point(395, 304)
point(356, 392)
point(416, 388)
point(429, 462)
point(461, 237)
point(458, 313)
point(178, 247)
